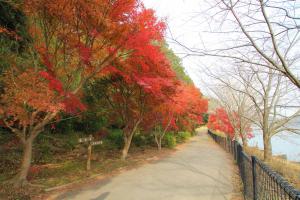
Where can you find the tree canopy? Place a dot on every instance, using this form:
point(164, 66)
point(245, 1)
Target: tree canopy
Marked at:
point(85, 55)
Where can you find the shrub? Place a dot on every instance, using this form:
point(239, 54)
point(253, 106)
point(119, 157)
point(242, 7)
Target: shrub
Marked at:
point(141, 139)
point(65, 126)
point(92, 122)
point(169, 140)
point(47, 146)
point(194, 133)
point(183, 136)
point(115, 138)
point(88, 123)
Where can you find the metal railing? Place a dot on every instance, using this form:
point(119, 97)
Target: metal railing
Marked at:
point(260, 182)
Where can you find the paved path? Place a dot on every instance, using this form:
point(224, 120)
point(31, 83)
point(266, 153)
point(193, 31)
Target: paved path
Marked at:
point(201, 170)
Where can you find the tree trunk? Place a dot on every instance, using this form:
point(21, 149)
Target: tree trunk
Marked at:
point(267, 148)
point(158, 140)
point(21, 178)
point(127, 143)
point(159, 144)
point(244, 140)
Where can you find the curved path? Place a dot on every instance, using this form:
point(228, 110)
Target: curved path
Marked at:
point(201, 170)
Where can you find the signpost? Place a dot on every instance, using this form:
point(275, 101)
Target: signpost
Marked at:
point(90, 141)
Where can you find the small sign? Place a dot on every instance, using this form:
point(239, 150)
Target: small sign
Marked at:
point(87, 139)
point(91, 143)
point(96, 143)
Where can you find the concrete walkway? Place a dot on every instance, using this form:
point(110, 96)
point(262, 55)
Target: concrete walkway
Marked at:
point(201, 170)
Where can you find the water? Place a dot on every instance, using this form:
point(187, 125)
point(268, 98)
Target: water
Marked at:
point(283, 143)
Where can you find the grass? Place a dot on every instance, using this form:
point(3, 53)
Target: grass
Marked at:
point(60, 160)
point(66, 172)
point(237, 193)
point(104, 163)
point(289, 170)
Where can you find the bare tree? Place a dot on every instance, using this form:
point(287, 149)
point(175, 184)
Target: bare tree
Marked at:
point(239, 109)
point(269, 93)
point(264, 33)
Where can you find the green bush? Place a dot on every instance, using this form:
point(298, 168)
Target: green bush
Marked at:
point(47, 148)
point(141, 139)
point(89, 123)
point(169, 140)
point(183, 136)
point(115, 139)
point(48, 145)
point(65, 126)
point(70, 141)
point(193, 133)
point(92, 122)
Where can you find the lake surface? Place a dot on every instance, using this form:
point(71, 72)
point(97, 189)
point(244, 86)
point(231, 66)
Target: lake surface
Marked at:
point(283, 143)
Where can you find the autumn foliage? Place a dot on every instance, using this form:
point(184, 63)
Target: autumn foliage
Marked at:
point(220, 121)
point(230, 124)
point(79, 43)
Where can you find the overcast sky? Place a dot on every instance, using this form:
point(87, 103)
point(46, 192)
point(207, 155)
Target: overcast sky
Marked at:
point(189, 22)
point(178, 14)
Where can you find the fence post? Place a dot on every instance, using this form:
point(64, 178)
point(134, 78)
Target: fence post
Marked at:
point(234, 150)
point(241, 158)
point(238, 153)
point(228, 143)
point(253, 159)
point(231, 147)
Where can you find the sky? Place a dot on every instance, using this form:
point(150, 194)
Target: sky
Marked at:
point(178, 14)
point(189, 22)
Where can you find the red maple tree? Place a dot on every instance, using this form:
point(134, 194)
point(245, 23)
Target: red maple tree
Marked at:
point(232, 124)
point(220, 121)
point(180, 110)
point(72, 41)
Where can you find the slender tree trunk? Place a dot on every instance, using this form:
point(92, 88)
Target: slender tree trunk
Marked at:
point(160, 135)
point(267, 148)
point(21, 178)
point(128, 138)
point(127, 143)
point(159, 144)
point(244, 140)
point(158, 140)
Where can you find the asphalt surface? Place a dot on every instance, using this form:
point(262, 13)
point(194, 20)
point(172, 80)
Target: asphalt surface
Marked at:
point(200, 170)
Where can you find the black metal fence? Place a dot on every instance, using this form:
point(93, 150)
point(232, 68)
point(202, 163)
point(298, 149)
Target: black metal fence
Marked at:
point(260, 182)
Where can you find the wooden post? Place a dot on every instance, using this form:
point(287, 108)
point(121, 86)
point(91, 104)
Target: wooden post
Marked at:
point(89, 156)
point(90, 141)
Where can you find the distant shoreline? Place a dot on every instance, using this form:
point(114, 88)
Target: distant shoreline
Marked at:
point(282, 144)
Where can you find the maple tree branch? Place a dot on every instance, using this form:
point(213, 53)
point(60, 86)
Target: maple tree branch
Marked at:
point(18, 133)
point(40, 126)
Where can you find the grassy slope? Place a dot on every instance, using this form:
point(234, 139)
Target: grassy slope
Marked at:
point(289, 170)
